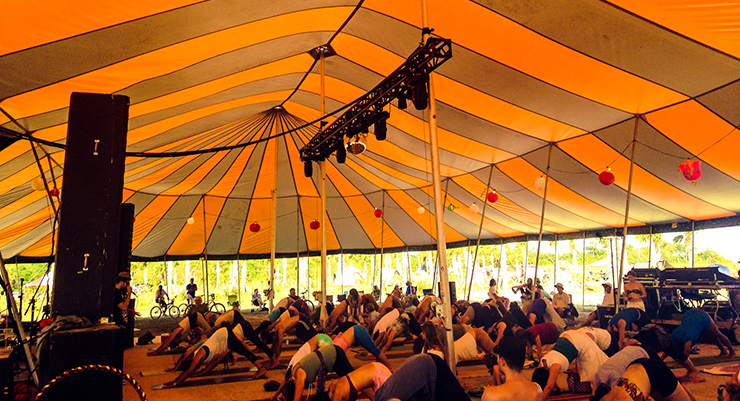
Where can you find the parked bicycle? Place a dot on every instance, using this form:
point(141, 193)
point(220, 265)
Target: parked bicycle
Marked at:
point(170, 309)
point(214, 306)
point(304, 297)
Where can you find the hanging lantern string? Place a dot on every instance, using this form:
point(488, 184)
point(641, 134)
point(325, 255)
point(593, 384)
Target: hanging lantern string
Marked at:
point(719, 140)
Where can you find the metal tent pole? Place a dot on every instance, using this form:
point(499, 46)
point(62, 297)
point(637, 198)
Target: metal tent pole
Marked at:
point(205, 250)
point(627, 204)
point(382, 253)
point(480, 230)
point(444, 291)
point(322, 164)
point(542, 213)
point(273, 226)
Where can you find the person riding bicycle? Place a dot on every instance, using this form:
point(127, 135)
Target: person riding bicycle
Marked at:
point(190, 291)
point(159, 297)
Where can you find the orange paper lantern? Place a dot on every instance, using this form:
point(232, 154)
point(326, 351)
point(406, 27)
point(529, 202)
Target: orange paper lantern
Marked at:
point(606, 178)
point(492, 197)
point(378, 213)
point(254, 227)
point(314, 225)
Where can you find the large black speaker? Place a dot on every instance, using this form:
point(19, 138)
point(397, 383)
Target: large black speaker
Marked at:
point(89, 221)
point(79, 347)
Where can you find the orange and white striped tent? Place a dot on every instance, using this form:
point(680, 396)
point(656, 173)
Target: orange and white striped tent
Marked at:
point(580, 77)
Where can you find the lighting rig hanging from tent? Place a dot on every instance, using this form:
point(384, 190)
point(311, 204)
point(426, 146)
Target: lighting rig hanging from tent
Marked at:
point(409, 81)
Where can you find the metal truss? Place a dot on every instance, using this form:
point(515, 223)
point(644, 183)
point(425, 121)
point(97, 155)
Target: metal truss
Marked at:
point(368, 109)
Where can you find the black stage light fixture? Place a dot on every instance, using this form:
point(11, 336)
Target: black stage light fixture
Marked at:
point(402, 103)
point(341, 153)
point(307, 169)
point(381, 128)
point(419, 94)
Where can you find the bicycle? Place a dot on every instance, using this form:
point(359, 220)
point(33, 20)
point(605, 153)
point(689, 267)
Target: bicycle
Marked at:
point(214, 306)
point(170, 309)
point(305, 299)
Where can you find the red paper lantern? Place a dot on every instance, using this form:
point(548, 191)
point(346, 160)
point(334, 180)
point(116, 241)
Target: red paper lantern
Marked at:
point(54, 192)
point(314, 225)
point(378, 213)
point(492, 197)
point(606, 178)
point(691, 170)
point(254, 227)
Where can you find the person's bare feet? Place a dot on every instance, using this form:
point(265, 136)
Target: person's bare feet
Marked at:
point(273, 363)
point(261, 372)
point(151, 353)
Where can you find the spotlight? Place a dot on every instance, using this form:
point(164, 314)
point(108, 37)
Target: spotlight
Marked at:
point(341, 153)
point(307, 169)
point(355, 146)
point(402, 103)
point(381, 128)
point(419, 93)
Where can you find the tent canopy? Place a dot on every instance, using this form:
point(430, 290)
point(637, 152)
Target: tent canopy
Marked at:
point(580, 76)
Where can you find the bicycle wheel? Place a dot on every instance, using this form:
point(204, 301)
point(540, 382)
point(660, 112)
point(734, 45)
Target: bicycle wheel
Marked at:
point(218, 308)
point(156, 312)
point(310, 304)
point(183, 309)
point(174, 311)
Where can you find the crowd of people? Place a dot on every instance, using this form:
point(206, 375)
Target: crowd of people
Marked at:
point(623, 361)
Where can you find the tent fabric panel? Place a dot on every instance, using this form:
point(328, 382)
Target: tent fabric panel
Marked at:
point(217, 115)
point(567, 69)
point(54, 19)
point(33, 243)
point(702, 133)
point(592, 152)
point(226, 236)
point(236, 94)
point(585, 182)
point(642, 48)
point(509, 85)
point(209, 209)
point(714, 24)
point(149, 216)
point(525, 173)
point(168, 59)
point(292, 65)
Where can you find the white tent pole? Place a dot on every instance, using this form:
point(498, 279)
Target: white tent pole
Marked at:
point(480, 229)
point(627, 204)
point(273, 226)
point(583, 279)
point(205, 249)
point(444, 290)
point(382, 255)
point(542, 214)
point(297, 245)
point(322, 164)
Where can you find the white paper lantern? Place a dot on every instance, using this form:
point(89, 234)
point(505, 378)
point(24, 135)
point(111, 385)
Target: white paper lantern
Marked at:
point(474, 208)
point(540, 183)
point(420, 210)
point(191, 220)
point(38, 184)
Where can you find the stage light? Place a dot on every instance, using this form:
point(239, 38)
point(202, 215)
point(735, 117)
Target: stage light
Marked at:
point(419, 93)
point(381, 128)
point(307, 169)
point(402, 103)
point(341, 153)
point(355, 146)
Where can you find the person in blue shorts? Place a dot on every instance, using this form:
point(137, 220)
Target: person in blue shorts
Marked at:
point(628, 319)
point(694, 323)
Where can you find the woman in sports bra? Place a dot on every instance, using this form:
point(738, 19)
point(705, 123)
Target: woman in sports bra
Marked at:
point(634, 292)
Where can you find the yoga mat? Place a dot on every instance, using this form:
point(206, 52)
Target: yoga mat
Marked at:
point(204, 381)
point(154, 372)
point(721, 370)
point(704, 360)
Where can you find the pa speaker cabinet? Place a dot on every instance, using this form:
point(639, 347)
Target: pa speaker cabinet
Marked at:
point(89, 221)
point(80, 347)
